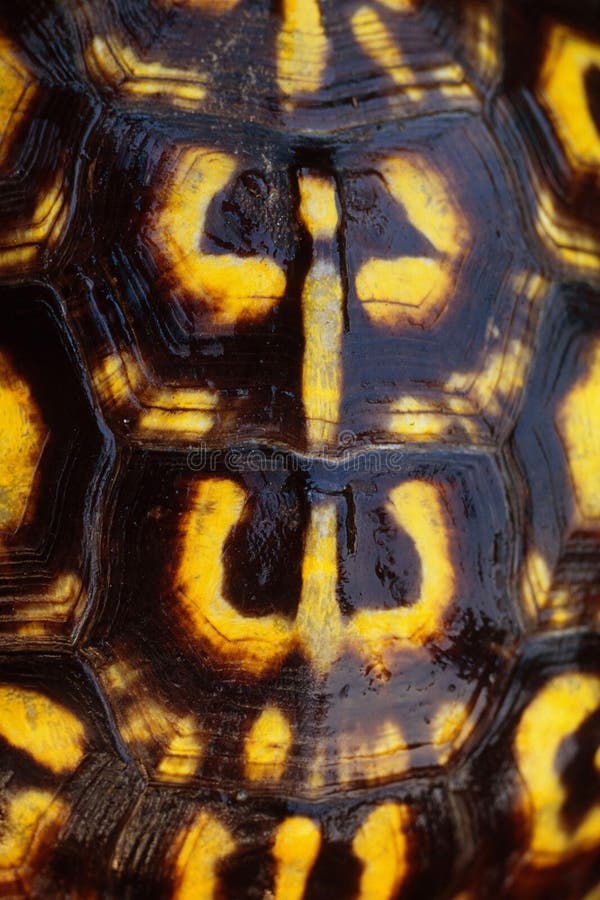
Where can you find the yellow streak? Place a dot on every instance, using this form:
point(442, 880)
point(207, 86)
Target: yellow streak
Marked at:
point(554, 715)
point(562, 90)
point(302, 48)
point(40, 614)
point(183, 753)
point(578, 422)
point(372, 757)
point(319, 627)
point(16, 93)
point(202, 847)
point(448, 728)
point(378, 42)
point(47, 731)
point(322, 313)
point(572, 247)
point(318, 206)
point(23, 244)
point(416, 289)
point(267, 746)
point(119, 65)
point(214, 7)
point(255, 643)
point(418, 508)
point(232, 287)
point(31, 819)
point(121, 382)
point(22, 436)
point(380, 844)
point(295, 850)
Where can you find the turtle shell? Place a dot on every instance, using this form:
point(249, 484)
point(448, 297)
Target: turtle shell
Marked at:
point(299, 456)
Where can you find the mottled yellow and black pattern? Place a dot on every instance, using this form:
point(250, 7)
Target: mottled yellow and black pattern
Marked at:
point(300, 449)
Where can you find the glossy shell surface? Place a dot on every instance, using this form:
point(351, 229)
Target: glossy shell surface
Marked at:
point(300, 449)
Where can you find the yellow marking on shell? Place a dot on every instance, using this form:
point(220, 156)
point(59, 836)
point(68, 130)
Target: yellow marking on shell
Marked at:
point(30, 820)
point(118, 65)
point(398, 6)
point(21, 246)
point(213, 7)
point(536, 579)
point(297, 843)
point(121, 382)
point(319, 628)
point(256, 643)
point(22, 438)
point(201, 849)
point(40, 614)
point(553, 716)
point(411, 289)
point(572, 246)
point(562, 90)
point(318, 206)
point(381, 845)
point(380, 44)
point(372, 757)
point(302, 48)
point(449, 728)
point(232, 287)
point(52, 735)
point(169, 746)
point(418, 508)
point(267, 746)
point(322, 313)
point(578, 422)
point(183, 753)
point(16, 94)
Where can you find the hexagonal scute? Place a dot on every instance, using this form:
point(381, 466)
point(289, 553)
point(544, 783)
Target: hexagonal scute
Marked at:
point(268, 293)
point(558, 466)
point(65, 789)
point(53, 460)
point(303, 628)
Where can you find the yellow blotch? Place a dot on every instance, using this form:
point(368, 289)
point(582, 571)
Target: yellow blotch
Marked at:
point(295, 850)
point(572, 246)
point(578, 421)
point(232, 287)
point(21, 246)
point(400, 6)
point(553, 716)
point(256, 643)
point(59, 604)
point(380, 44)
point(16, 93)
point(318, 206)
point(30, 819)
point(416, 289)
point(213, 7)
point(535, 582)
point(183, 753)
point(22, 437)
point(381, 845)
point(322, 313)
point(302, 48)
point(202, 847)
point(178, 412)
point(119, 65)
point(562, 90)
point(448, 728)
point(267, 746)
point(418, 508)
point(46, 730)
point(319, 628)
point(373, 757)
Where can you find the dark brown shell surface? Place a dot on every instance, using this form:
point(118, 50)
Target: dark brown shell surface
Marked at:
point(300, 449)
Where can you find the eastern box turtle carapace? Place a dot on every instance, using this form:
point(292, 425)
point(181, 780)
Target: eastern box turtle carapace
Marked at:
point(300, 449)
